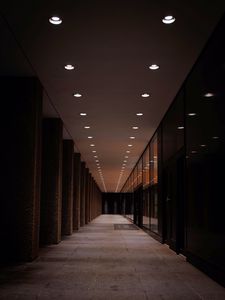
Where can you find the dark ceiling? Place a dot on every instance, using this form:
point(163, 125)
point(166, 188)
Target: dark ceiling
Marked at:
point(111, 45)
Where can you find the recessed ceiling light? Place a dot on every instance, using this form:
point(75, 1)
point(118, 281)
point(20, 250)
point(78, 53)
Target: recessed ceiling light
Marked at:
point(95, 156)
point(145, 95)
point(87, 127)
point(77, 95)
point(203, 145)
point(192, 114)
point(55, 20)
point(193, 151)
point(94, 151)
point(180, 127)
point(125, 156)
point(139, 114)
point(83, 114)
point(130, 145)
point(135, 127)
point(99, 167)
point(215, 137)
point(123, 164)
point(69, 67)
point(92, 145)
point(208, 95)
point(90, 137)
point(128, 151)
point(154, 67)
point(125, 161)
point(132, 137)
point(168, 20)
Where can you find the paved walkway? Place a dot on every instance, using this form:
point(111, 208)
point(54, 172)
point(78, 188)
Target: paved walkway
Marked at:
point(101, 263)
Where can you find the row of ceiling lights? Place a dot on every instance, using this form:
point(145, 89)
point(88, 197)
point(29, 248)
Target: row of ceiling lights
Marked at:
point(153, 67)
point(69, 67)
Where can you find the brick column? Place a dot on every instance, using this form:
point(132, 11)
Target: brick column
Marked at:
point(51, 189)
point(21, 149)
point(76, 191)
point(82, 194)
point(67, 187)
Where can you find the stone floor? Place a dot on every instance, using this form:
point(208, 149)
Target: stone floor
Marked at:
point(101, 263)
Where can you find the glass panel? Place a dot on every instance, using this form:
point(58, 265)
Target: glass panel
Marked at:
point(146, 209)
point(154, 160)
point(146, 174)
point(140, 179)
point(154, 208)
point(135, 178)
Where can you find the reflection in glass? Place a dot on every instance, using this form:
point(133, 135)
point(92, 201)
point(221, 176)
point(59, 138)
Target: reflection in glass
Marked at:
point(154, 208)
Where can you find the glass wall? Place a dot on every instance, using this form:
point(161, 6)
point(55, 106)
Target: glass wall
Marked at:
point(146, 182)
point(153, 184)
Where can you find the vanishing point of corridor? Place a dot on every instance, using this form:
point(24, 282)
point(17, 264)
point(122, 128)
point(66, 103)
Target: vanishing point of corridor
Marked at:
point(108, 259)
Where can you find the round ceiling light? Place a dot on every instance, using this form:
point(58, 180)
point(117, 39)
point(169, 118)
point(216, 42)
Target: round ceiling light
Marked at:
point(154, 67)
point(139, 114)
point(145, 95)
point(55, 20)
point(87, 127)
point(77, 95)
point(168, 20)
point(90, 137)
point(69, 67)
point(208, 95)
point(132, 137)
point(135, 127)
point(83, 114)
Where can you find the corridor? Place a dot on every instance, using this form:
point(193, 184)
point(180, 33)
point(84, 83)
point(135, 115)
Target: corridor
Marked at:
point(102, 262)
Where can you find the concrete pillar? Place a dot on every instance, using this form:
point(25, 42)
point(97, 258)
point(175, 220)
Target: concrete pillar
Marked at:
point(82, 194)
point(76, 191)
point(20, 168)
point(51, 188)
point(67, 187)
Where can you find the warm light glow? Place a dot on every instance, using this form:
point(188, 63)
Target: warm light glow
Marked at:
point(192, 114)
point(125, 156)
point(90, 137)
point(55, 20)
point(135, 127)
point(130, 145)
point(128, 151)
point(180, 127)
point(69, 67)
point(94, 151)
point(87, 127)
point(83, 114)
point(132, 137)
point(154, 67)
point(168, 20)
point(203, 145)
point(92, 145)
point(215, 137)
point(139, 114)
